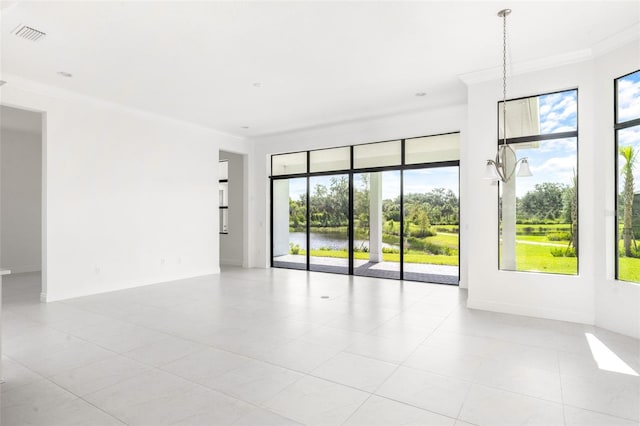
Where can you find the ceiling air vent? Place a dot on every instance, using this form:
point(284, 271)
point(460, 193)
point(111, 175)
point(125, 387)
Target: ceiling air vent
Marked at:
point(28, 33)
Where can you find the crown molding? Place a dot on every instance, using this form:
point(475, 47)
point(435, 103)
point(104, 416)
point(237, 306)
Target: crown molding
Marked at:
point(620, 39)
point(31, 86)
point(628, 35)
point(495, 73)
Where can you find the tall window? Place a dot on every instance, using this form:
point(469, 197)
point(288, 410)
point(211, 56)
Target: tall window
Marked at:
point(627, 128)
point(539, 214)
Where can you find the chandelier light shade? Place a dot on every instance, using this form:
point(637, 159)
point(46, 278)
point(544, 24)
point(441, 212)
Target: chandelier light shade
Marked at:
point(504, 166)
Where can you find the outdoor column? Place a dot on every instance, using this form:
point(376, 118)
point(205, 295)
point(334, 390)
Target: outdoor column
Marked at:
point(375, 217)
point(508, 251)
point(280, 217)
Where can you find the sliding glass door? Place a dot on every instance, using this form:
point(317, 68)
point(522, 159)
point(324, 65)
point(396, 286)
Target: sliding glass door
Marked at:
point(431, 224)
point(329, 223)
point(376, 224)
point(289, 230)
point(385, 210)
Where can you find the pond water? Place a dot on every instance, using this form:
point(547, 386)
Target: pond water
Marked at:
point(333, 240)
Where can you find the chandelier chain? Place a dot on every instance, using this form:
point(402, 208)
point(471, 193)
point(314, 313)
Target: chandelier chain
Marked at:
point(504, 78)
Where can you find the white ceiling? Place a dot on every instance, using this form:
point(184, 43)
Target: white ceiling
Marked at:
point(316, 62)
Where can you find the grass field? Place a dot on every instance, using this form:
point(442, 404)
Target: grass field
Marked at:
point(409, 257)
point(629, 269)
point(530, 257)
point(537, 258)
point(533, 250)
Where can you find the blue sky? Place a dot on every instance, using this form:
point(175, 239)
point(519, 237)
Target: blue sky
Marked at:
point(629, 97)
point(553, 160)
point(628, 109)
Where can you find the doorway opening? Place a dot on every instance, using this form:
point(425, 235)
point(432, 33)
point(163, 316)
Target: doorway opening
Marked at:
point(232, 202)
point(22, 203)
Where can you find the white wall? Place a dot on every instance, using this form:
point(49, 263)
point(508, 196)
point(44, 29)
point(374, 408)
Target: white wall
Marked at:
point(429, 122)
point(232, 244)
point(130, 198)
point(592, 297)
point(21, 192)
point(617, 303)
point(542, 295)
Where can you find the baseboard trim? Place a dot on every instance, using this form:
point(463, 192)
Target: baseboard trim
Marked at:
point(21, 269)
point(531, 311)
point(127, 286)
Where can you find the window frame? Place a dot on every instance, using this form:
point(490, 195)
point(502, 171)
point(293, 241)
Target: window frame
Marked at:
point(616, 130)
point(351, 172)
point(538, 138)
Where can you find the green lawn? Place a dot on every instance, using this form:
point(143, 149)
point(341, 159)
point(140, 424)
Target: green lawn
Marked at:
point(447, 240)
point(629, 269)
point(533, 258)
point(409, 257)
point(540, 239)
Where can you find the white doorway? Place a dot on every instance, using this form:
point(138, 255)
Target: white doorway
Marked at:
point(21, 199)
point(233, 211)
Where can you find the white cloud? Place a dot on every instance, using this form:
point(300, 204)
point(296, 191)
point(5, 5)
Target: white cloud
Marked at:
point(557, 145)
point(545, 109)
point(629, 98)
point(629, 136)
point(556, 169)
point(556, 165)
point(558, 112)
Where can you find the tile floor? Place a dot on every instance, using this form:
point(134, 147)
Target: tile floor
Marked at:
point(263, 347)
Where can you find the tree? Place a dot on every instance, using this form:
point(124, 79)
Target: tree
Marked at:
point(544, 202)
point(329, 207)
point(361, 205)
point(422, 220)
point(574, 212)
point(630, 155)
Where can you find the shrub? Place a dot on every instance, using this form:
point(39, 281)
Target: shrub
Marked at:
point(429, 247)
point(452, 230)
point(559, 236)
point(563, 252)
point(390, 250)
point(635, 253)
point(428, 232)
point(294, 249)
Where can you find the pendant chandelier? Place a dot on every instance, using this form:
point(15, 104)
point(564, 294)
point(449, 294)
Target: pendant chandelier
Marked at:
point(504, 166)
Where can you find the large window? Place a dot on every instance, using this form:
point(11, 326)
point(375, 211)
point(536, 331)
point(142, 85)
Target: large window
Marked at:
point(539, 213)
point(627, 128)
point(385, 209)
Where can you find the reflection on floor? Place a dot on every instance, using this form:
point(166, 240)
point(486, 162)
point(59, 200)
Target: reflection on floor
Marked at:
point(283, 347)
point(441, 274)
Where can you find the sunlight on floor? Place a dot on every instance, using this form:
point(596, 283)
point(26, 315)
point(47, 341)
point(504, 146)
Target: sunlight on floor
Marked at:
point(606, 359)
